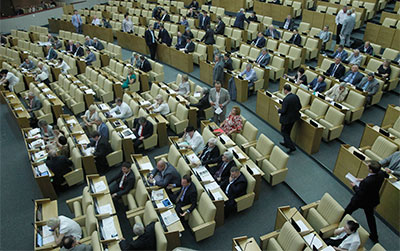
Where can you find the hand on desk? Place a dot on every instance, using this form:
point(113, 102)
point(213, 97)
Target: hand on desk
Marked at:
point(183, 214)
point(170, 186)
point(388, 170)
point(114, 195)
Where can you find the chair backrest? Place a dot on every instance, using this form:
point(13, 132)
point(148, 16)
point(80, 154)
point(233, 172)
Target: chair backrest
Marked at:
point(383, 147)
point(140, 193)
point(90, 221)
point(161, 240)
point(278, 158)
point(330, 209)
point(334, 116)
point(251, 182)
point(289, 238)
point(304, 97)
point(149, 214)
point(199, 187)
point(182, 112)
point(355, 99)
point(173, 155)
point(76, 158)
point(206, 208)
point(264, 145)
point(116, 142)
point(182, 167)
point(172, 103)
point(249, 131)
point(244, 49)
point(319, 107)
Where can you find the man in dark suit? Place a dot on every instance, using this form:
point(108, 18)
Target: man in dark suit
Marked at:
point(151, 42)
point(123, 182)
point(228, 62)
point(188, 33)
point(336, 69)
point(194, 4)
point(191, 13)
point(97, 44)
point(289, 114)
point(318, 84)
point(144, 64)
point(202, 104)
point(79, 52)
point(272, 32)
point(204, 20)
point(288, 23)
point(220, 29)
point(210, 153)
point(163, 36)
point(189, 47)
point(142, 130)
point(187, 195)
point(221, 171)
point(70, 243)
point(370, 85)
point(263, 58)
point(366, 48)
point(253, 17)
point(367, 196)
point(295, 38)
point(51, 54)
point(340, 52)
point(165, 17)
point(240, 18)
point(218, 71)
point(165, 176)
point(102, 149)
point(208, 38)
point(259, 41)
point(59, 165)
point(180, 41)
point(70, 48)
point(353, 76)
point(101, 128)
point(234, 187)
point(146, 238)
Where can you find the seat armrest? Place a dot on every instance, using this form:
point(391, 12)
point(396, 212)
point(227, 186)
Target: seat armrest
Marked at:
point(157, 158)
point(80, 220)
point(263, 158)
point(265, 238)
point(70, 202)
point(249, 144)
point(327, 231)
point(304, 209)
point(134, 210)
point(362, 149)
point(134, 213)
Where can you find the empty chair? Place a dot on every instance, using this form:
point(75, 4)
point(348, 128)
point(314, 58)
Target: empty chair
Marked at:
point(277, 66)
point(248, 134)
point(311, 46)
point(260, 150)
point(201, 220)
point(243, 50)
point(116, 144)
point(333, 123)
point(317, 109)
point(178, 120)
point(355, 102)
point(274, 166)
point(395, 128)
point(78, 205)
point(380, 149)
point(137, 197)
point(287, 239)
point(323, 214)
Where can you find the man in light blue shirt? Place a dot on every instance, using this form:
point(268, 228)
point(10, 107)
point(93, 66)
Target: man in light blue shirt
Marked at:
point(77, 22)
point(90, 57)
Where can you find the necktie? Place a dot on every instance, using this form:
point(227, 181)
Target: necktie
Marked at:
point(258, 39)
point(152, 37)
point(334, 70)
point(365, 85)
point(316, 86)
point(221, 169)
point(350, 77)
point(260, 59)
point(121, 183)
point(202, 23)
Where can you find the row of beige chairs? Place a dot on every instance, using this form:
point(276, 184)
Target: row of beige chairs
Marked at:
point(10, 54)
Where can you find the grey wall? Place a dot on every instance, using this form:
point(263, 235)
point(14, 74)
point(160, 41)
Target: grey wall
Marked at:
point(41, 18)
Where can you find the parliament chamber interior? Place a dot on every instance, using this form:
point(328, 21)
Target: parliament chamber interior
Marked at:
point(201, 125)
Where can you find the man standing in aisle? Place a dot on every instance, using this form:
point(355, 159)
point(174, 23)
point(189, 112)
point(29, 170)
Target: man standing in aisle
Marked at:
point(218, 71)
point(77, 22)
point(340, 17)
point(219, 98)
point(289, 114)
point(150, 38)
point(347, 28)
point(367, 195)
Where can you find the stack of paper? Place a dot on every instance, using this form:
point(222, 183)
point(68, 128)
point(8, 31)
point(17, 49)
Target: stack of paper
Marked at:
point(197, 94)
point(211, 186)
point(50, 96)
point(88, 151)
point(43, 168)
point(146, 166)
point(203, 173)
point(217, 195)
point(90, 91)
point(48, 236)
point(128, 134)
point(83, 141)
point(169, 217)
point(45, 89)
point(33, 132)
point(157, 194)
point(225, 138)
point(108, 228)
point(145, 102)
point(71, 121)
point(313, 240)
point(352, 179)
point(193, 158)
point(105, 209)
point(99, 186)
point(40, 155)
point(39, 143)
point(302, 226)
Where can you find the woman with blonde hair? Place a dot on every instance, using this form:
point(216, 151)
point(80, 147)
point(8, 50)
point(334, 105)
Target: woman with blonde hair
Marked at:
point(130, 79)
point(233, 123)
point(88, 119)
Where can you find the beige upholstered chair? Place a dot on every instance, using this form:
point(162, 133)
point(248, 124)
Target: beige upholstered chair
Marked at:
point(317, 109)
point(395, 129)
point(78, 205)
point(274, 167)
point(323, 215)
point(355, 102)
point(116, 144)
point(137, 198)
point(248, 134)
point(380, 149)
point(201, 220)
point(333, 123)
point(260, 150)
point(246, 201)
point(287, 239)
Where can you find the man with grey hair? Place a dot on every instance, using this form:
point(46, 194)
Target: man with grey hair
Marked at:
point(354, 58)
point(135, 60)
point(71, 244)
point(210, 153)
point(222, 170)
point(145, 238)
point(369, 85)
point(33, 103)
point(165, 176)
point(88, 41)
point(219, 98)
point(42, 74)
point(97, 44)
point(347, 28)
point(263, 58)
point(63, 226)
point(248, 74)
point(234, 187)
point(337, 93)
point(240, 18)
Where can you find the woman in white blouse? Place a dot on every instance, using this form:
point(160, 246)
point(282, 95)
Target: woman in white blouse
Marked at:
point(346, 238)
point(88, 120)
point(160, 106)
point(184, 86)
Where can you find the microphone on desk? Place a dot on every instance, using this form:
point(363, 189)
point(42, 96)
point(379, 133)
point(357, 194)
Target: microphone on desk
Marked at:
point(312, 246)
point(245, 246)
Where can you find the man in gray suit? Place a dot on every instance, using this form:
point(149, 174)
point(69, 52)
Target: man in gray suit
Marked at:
point(354, 59)
point(218, 71)
point(219, 98)
point(165, 176)
point(347, 28)
point(369, 84)
point(69, 243)
point(34, 103)
point(392, 164)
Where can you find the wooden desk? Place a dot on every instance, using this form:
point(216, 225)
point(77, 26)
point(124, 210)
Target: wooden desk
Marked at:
point(132, 42)
point(44, 183)
point(81, 65)
point(93, 179)
point(16, 108)
point(182, 61)
point(163, 54)
point(262, 104)
point(161, 128)
point(117, 228)
point(389, 207)
point(287, 213)
point(231, 6)
point(314, 237)
point(102, 33)
point(103, 200)
point(88, 162)
point(206, 72)
point(307, 136)
point(391, 115)
point(371, 133)
point(245, 243)
point(44, 210)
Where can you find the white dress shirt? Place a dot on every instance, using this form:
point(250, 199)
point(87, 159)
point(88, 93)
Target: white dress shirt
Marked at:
point(196, 142)
point(96, 21)
point(64, 67)
point(121, 112)
point(43, 75)
point(340, 17)
point(351, 243)
point(12, 80)
point(163, 109)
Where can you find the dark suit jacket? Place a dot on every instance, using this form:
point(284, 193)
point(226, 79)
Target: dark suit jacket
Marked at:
point(99, 46)
point(202, 25)
point(237, 188)
point(194, 5)
point(265, 60)
point(295, 39)
point(163, 35)
point(339, 71)
point(102, 150)
point(171, 176)
point(208, 37)
point(367, 193)
point(343, 55)
point(167, 18)
point(277, 34)
point(59, 165)
point(209, 157)
point(189, 198)
point(146, 66)
point(147, 130)
point(369, 50)
point(79, 52)
point(228, 64)
point(226, 172)
point(321, 86)
point(181, 42)
point(290, 109)
point(220, 29)
point(52, 54)
point(291, 24)
point(261, 42)
point(190, 47)
point(239, 21)
point(203, 103)
point(218, 72)
point(148, 38)
point(252, 19)
point(146, 241)
point(127, 185)
point(68, 48)
point(188, 34)
point(356, 79)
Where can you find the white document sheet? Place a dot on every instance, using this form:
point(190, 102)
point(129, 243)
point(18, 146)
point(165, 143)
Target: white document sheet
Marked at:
point(146, 166)
point(169, 217)
point(211, 186)
point(353, 179)
point(105, 209)
point(315, 241)
point(217, 195)
point(302, 226)
point(157, 194)
point(99, 186)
